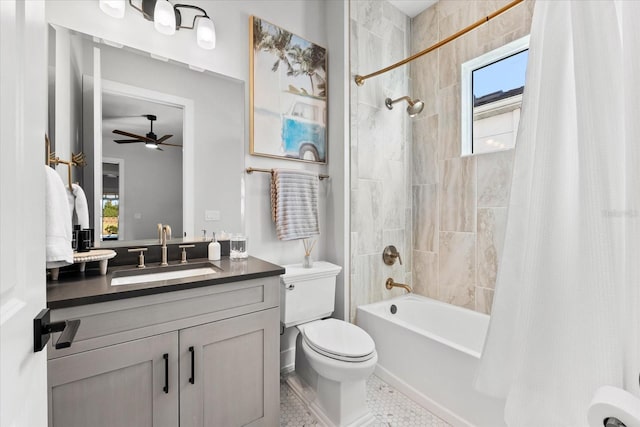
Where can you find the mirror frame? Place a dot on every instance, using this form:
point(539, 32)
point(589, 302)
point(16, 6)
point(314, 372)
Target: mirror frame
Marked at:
point(466, 86)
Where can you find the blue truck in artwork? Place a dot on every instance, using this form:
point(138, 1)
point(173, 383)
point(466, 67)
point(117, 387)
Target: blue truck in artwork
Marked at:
point(304, 130)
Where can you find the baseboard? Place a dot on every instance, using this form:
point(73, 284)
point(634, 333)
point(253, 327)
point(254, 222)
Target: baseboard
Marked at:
point(287, 360)
point(422, 400)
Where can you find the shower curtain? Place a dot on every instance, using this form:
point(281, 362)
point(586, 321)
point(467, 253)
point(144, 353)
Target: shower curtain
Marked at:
point(565, 314)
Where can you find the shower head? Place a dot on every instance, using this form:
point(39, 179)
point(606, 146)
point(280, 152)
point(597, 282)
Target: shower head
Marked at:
point(414, 108)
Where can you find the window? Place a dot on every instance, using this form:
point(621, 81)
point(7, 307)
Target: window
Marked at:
point(492, 88)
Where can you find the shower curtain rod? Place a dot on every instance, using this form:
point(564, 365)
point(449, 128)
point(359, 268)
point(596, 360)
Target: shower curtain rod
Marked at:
point(360, 79)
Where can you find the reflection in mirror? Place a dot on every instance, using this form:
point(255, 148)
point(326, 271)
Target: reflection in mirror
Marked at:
point(492, 88)
point(112, 192)
point(97, 88)
point(142, 206)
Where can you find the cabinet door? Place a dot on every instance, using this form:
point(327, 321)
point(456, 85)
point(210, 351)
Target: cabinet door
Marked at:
point(235, 372)
point(128, 384)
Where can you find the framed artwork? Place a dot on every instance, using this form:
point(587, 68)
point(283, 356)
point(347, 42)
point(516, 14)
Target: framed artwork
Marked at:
point(288, 95)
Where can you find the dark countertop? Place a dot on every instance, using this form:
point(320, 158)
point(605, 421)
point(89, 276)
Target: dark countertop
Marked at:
point(75, 288)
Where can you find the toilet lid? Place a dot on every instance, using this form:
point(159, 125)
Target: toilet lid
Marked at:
point(339, 340)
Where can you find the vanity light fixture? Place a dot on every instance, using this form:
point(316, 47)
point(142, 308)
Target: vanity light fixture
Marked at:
point(167, 18)
point(113, 8)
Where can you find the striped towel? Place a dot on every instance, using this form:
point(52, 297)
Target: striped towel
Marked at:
point(294, 203)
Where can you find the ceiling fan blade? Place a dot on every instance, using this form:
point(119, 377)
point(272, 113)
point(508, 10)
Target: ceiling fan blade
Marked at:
point(126, 141)
point(171, 145)
point(164, 138)
point(133, 135)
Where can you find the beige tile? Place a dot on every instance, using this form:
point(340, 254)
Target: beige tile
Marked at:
point(424, 30)
point(425, 217)
point(494, 178)
point(366, 216)
point(424, 76)
point(352, 298)
point(484, 300)
point(492, 224)
point(393, 196)
point(458, 194)
point(407, 253)
point(369, 14)
point(369, 60)
point(394, 15)
point(425, 151)
point(449, 122)
point(502, 24)
point(458, 294)
point(425, 274)
point(457, 268)
point(372, 147)
point(449, 72)
point(449, 7)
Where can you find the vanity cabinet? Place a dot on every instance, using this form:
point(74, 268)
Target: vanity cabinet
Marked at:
point(119, 385)
point(198, 357)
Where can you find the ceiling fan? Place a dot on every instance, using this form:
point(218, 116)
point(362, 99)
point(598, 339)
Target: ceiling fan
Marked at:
point(150, 140)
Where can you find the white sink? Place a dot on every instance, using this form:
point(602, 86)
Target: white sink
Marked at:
point(140, 276)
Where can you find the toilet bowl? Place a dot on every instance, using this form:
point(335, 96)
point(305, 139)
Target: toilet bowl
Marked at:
point(333, 358)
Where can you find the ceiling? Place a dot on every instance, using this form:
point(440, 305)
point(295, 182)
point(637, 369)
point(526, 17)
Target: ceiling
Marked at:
point(125, 113)
point(412, 8)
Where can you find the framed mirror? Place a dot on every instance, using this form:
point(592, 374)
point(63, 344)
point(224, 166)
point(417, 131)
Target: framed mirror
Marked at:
point(191, 179)
point(491, 96)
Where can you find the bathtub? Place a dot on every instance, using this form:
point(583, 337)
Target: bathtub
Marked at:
point(429, 351)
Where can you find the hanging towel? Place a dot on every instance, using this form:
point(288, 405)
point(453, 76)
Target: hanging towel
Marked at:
point(294, 203)
point(78, 206)
point(58, 222)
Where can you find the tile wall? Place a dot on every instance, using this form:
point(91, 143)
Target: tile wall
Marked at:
point(381, 193)
point(459, 204)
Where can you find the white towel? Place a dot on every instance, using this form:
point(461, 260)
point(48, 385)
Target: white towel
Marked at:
point(59, 251)
point(294, 203)
point(78, 206)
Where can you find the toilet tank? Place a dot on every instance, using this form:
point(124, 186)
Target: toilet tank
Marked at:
point(307, 294)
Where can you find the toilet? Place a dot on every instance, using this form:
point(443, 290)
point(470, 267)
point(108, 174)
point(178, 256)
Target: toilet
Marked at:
point(333, 358)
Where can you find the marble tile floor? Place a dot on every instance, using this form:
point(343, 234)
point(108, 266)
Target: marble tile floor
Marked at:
point(390, 408)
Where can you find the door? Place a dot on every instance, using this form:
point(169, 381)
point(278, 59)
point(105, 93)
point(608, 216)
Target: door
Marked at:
point(23, 111)
point(229, 372)
point(130, 384)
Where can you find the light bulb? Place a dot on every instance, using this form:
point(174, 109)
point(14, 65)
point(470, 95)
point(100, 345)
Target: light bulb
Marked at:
point(113, 8)
point(206, 33)
point(164, 17)
point(151, 145)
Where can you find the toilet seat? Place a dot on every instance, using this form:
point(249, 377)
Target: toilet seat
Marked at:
point(339, 340)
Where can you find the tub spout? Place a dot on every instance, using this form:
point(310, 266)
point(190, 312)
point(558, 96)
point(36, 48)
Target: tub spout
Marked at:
point(390, 284)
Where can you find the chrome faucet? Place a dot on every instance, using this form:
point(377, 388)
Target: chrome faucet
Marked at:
point(165, 234)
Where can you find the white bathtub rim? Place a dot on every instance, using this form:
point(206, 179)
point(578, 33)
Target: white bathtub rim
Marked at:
point(370, 309)
point(422, 400)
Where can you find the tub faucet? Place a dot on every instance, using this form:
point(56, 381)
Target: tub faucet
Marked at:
point(166, 234)
point(390, 284)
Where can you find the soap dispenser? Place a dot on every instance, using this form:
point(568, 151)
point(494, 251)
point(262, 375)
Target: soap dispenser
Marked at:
point(214, 249)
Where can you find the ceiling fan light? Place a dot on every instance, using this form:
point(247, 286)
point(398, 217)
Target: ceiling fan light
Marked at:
point(164, 18)
point(113, 8)
point(206, 33)
point(151, 145)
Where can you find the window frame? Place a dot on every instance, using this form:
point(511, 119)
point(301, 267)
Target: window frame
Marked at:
point(466, 87)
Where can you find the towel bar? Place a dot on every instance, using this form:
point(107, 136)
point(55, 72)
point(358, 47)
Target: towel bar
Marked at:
point(251, 170)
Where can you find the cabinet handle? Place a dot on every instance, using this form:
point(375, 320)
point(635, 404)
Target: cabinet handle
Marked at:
point(192, 380)
point(166, 372)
